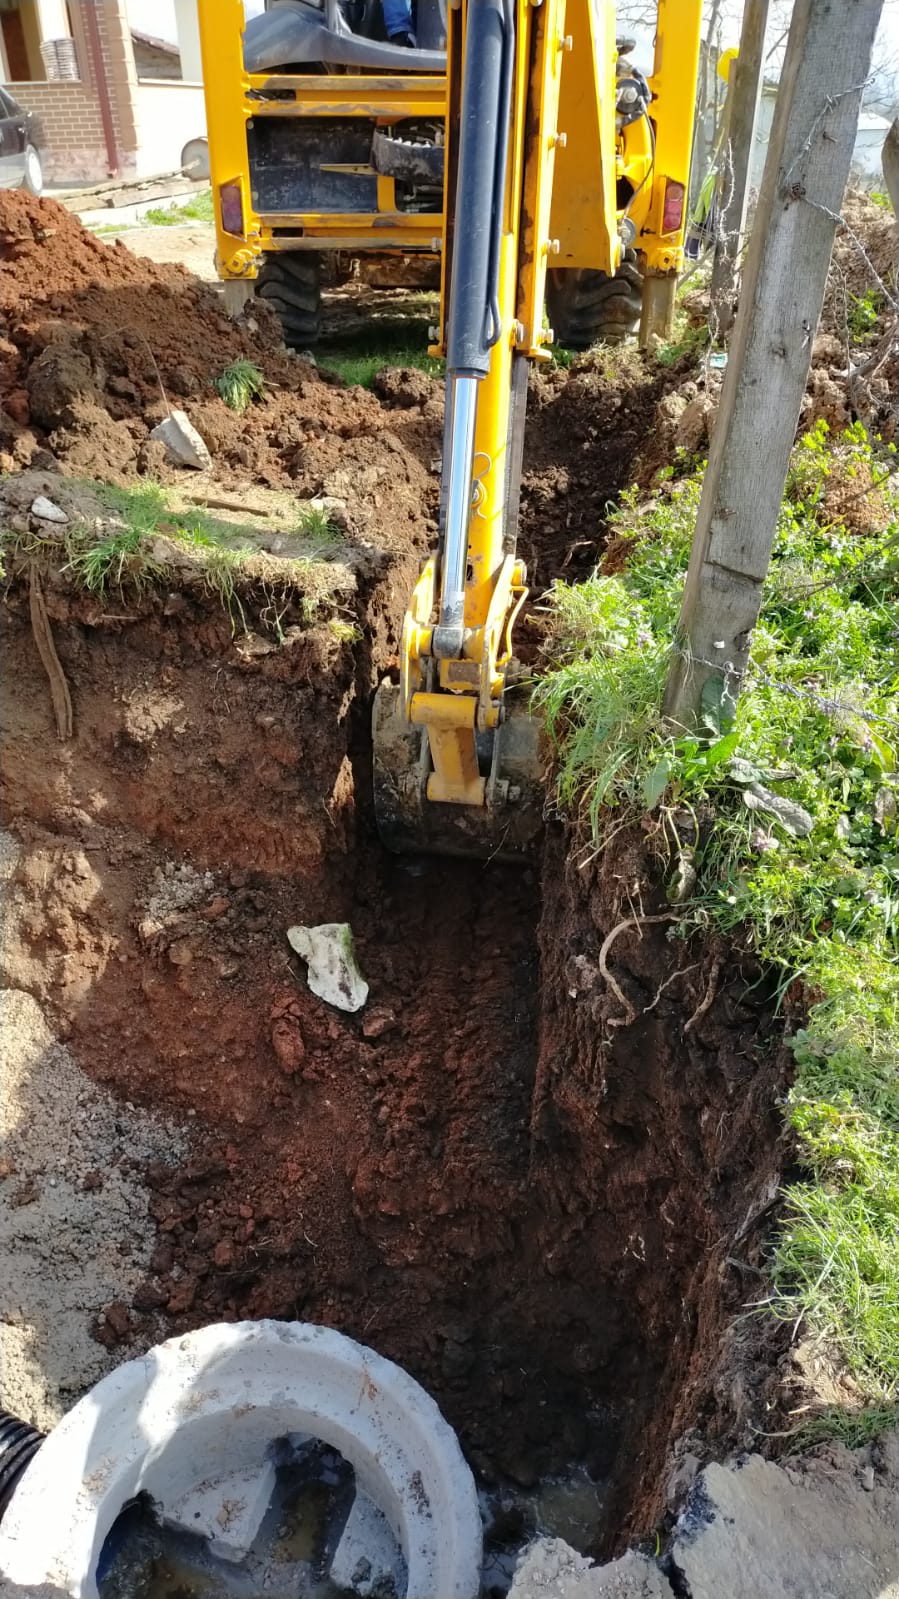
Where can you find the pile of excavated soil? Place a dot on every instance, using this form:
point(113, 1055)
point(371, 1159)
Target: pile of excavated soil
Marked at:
point(97, 345)
point(865, 250)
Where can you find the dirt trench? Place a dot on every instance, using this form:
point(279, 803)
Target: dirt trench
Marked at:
point(540, 1212)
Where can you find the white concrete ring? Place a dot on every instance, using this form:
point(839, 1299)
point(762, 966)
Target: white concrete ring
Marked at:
point(200, 1407)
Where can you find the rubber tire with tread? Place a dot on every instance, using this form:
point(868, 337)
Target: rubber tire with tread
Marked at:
point(291, 284)
point(586, 306)
point(31, 183)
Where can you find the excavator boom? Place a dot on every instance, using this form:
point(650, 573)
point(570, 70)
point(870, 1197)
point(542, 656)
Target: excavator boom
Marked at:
point(532, 94)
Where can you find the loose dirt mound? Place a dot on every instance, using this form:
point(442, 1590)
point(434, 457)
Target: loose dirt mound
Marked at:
point(864, 250)
point(97, 344)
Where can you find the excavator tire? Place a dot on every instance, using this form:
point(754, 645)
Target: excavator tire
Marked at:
point(587, 307)
point(291, 284)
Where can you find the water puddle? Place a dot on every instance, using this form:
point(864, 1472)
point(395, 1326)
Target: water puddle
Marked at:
point(292, 1553)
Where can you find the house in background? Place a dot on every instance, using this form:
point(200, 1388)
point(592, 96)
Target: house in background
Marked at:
point(112, 99)
point(866, 168)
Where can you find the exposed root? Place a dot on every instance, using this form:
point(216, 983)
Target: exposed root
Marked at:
point(630, 1015)
point(681, 972)
point(43, 638)
point(707, 998)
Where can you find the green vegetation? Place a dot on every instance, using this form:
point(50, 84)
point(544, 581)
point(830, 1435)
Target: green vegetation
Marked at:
point(128, 555)
point(399, 338)
point(864, 310)
point(240, 384)
point(316, 526)
point(198, 208)
point(802, 780)
point(688, 339)
point(361, 366)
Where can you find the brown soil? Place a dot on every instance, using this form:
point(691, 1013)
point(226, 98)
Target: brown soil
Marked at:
point(97, 344)
point(485, 1174)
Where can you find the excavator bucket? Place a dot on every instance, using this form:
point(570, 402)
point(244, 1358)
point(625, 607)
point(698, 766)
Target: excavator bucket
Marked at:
point(504, 828)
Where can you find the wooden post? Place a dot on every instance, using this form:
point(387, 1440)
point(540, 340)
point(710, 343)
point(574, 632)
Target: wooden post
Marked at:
point(826, 65)
point(890, 162)
point(743, 98)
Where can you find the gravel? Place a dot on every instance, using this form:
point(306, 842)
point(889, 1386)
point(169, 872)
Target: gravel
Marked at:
point(75, 1230)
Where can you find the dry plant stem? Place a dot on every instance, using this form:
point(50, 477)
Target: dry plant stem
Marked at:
point(630, 1015)
point(218, 504)
point(43, 638)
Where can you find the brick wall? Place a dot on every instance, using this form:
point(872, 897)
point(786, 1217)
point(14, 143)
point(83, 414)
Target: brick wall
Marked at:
point(70, 112)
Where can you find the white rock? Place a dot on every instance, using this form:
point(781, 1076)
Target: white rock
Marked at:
point(182, 441)
point(333, 973)
point(46, 510)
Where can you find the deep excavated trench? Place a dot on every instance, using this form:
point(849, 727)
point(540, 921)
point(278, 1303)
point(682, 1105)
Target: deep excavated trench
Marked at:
point(548, 1217)
point(484, 1175)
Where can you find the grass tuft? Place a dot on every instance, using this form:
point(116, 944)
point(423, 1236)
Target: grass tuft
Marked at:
point(199, 208)
point(240, 384)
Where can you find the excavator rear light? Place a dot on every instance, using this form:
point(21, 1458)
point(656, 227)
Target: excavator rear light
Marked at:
point(231, 204)
point(673, 210)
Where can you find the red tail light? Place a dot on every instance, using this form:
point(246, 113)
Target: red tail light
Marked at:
point(673, 212)
point(232, 208)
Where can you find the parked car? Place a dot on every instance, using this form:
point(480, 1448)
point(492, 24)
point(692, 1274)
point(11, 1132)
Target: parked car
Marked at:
point(21, 140)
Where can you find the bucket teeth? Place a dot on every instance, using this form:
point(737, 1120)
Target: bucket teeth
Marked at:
point(506, 829)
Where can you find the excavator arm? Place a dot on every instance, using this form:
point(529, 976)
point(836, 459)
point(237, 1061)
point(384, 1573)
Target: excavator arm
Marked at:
point(531, 105)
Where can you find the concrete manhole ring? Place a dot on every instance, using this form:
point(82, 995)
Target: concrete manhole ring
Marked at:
point(197, 1410)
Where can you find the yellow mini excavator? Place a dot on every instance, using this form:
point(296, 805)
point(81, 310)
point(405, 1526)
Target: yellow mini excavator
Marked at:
point(544, 173)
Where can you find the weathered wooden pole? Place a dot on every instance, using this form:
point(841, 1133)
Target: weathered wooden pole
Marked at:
point(743, 95)
point(890, 163)
point(826, 65)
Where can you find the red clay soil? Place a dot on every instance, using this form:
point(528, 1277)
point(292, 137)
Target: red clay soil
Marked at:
point(482, 1174)
point(97, 344)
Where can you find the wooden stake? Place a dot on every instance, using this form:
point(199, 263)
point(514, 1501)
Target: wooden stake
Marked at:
point(743, 96)
point(826, 65)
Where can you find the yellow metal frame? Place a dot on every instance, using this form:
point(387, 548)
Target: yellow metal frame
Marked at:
point(231, 107)
point(566, 158)
point(673, 86)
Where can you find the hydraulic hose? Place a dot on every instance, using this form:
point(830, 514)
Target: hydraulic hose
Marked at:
point(480, 144)
point(483, 147)
point(19, 1443)
point(499, 195)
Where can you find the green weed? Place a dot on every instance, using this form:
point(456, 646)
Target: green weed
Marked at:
point(864, 310)
point(240, 384)
point(316, 525)
point(802, 779)
point(114, 562)
point(344, 632)
point(199, 208)
point(689, 340)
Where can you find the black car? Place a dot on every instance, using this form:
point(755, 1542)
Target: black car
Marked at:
point(20, 147)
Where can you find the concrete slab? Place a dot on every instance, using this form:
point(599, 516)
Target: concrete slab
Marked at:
point(826, 1528)
point(228, 1511)
point(367, 1560)
point(552, 1570)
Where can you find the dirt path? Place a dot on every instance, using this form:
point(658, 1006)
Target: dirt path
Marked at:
point(190, 245)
